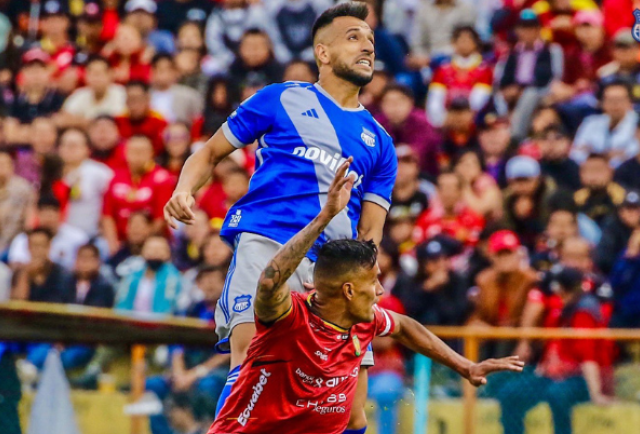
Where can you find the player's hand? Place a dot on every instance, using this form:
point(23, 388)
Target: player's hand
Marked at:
point(179, 208)
point(478, 371)
point(339, 191)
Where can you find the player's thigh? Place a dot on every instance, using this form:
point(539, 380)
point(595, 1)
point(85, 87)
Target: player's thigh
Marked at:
point(358, 417)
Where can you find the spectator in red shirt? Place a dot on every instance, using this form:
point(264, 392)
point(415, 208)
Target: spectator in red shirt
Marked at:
point(451, 217)
point(55, 36)
point(144, 186)
point(466, 75)
point(106, 144)
point(570, 371)
point(140, 119)
point(128, 56)
point(90, 40)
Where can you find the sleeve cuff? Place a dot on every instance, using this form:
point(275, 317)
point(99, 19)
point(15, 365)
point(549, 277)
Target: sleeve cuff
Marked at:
point(378, 200)
point(231, 137)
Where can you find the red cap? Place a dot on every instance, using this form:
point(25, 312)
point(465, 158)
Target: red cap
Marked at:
point(503, 240)
point(35, 55)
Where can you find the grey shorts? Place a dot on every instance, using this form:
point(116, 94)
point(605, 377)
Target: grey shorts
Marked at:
point(251, 255)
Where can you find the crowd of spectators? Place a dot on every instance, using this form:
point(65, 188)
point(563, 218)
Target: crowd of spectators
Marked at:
point(517, 201)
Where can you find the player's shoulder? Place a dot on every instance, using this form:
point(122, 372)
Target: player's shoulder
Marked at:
point(273, 91)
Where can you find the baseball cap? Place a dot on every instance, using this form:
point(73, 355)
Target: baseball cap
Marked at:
point(405, 152)
point(631, 199)
point(591, 17)
point(623, 37)
point(35, 55)
point(148, 6)
point(91, 12)
point(503, 240)
point(528, 18)
point(491, 119)
point(431, 250)
point(522, 166)
point(568, 278)
point(54, 7)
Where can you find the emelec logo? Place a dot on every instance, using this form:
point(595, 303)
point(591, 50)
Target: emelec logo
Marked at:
point(332, 162)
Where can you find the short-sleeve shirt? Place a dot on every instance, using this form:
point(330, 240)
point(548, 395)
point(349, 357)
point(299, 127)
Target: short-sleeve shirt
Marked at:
point(300, 374)
point(303, 137)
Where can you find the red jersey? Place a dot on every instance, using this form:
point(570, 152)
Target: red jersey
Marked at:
point(300, 374)
point(152, 126)
point(125, 196)
point(459, 80)
point(115, 160)
point(465, 226)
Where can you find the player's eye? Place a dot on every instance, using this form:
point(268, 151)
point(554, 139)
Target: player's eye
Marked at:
point(353, 38)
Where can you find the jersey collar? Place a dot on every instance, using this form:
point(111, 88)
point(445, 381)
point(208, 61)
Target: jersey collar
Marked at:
point(325, 93)
point(310, 299)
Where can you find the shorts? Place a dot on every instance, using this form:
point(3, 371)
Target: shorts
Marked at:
point(251, 255)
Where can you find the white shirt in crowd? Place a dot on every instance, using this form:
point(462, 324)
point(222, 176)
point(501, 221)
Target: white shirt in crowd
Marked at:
point(82, 102)
point(88, 184)
point(144, 296)
point(64, 247)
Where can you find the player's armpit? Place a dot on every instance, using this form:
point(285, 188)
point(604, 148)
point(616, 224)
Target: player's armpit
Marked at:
point(371, 222)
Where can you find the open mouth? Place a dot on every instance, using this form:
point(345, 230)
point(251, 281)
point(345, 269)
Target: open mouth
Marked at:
point(364, 62)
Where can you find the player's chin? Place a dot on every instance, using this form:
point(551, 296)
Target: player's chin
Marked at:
point(359, 77)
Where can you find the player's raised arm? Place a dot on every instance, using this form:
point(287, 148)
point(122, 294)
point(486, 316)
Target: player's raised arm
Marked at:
point(415, 336)
point(273, 297)
point(195, 173)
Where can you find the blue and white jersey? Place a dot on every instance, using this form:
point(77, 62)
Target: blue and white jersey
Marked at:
point(304, 136)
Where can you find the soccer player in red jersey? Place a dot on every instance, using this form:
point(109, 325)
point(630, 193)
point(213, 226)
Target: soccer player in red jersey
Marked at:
point(301, 370)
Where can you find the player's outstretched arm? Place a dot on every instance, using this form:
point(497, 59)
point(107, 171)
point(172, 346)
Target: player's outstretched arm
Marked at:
point(415, 336)
point(273, 297)
point(195, 173)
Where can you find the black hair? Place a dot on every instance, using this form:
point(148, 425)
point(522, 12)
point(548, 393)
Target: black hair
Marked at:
point(461, 154)
point(40, 230)
point(617, 83)
point(597, 156)
point(82, 132)
point(137, 83)
point(255, 31)
point(92, 248)
point(159, 57)
point(144, 214)
point(459, 30)
point(338, 257)
point(562, 200)
point(392, 250)
point(206, 269)
point(96, 58)
point(395, 87)
point(5, 151)
point(103, 117)
point(354, 9)
point(48, 201)
point(140, 136)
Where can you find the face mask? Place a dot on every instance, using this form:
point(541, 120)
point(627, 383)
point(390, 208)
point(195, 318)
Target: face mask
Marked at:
point(154, 264)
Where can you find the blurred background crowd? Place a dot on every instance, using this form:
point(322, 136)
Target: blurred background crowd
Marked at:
point(517, 201)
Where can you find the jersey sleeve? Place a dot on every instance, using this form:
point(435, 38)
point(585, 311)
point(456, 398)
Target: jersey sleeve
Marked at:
point(253, 118)
point(379, 184)
point(384, 321)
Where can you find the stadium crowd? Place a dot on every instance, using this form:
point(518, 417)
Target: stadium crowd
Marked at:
point(517, 201)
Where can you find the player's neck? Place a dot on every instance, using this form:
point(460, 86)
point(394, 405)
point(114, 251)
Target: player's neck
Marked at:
point(332, 312)
point(344, 93)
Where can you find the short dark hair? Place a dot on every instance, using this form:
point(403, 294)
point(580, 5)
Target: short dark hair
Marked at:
point(92, 248)
point(459, 30)
point(338, 257)
point(354, 9)
point(96, 58)
point(83, 133)
point(159, 57)
point(207, 269)
point(395, 87)
point(48, 201)
point(255, 31)
point(40, 230)
point(137, 83)
point(617, 83)
point(598, 156)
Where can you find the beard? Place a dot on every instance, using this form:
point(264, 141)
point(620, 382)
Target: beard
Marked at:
point(344, 72)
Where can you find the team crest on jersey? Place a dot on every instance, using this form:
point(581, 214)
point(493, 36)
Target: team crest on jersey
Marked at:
point(368, 138)
point(241, 303)
point(635, 31)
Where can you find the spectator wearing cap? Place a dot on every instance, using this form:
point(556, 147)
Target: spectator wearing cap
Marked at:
point(524, 76)
point(600, 195)
point(611, 133)
point(107, 146)
point(480, 190)
point(173, 13)
point(554, 144)
point(570, 371)
point(139, 118)
point(495, 145)
point(225, 28)
point(55, 35)
point(141, 14)
point(433, 28)
point(65, 241)
point(625, 66)
point(628, 173)
point(255, 61)
point(437, 295)
point(557, 19)
point(91, 38)
point(144, 186)
point(625, 281)
point(407, 124)
point(128, 55)
point(17, 201)
point(466, 75)
point(36, 97)
point(407, 200)
point(451, 216)
point(101, 96)
point(503, 287)
point(617, 230)
point(526, 199)
point(174, 102)
point(459, 131)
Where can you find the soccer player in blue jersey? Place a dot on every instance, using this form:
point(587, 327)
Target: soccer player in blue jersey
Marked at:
point(305, 132)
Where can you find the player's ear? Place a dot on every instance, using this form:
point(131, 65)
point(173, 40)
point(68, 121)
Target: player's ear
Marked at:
point(348, 290)
point(322, 54)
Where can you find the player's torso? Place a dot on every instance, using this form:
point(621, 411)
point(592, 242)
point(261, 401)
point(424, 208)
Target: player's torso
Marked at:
point(302, 385)
point(297, 158)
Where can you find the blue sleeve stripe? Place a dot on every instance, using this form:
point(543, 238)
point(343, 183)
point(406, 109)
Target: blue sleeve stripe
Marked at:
point(378, 200)
point(231, 137)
